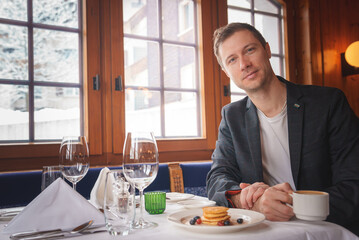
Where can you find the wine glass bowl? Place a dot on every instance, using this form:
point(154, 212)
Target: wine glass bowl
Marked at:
point(74, 158)
point(140, 165)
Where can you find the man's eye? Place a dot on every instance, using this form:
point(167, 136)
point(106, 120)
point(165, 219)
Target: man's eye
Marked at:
point(231, 60)
point(250, 49)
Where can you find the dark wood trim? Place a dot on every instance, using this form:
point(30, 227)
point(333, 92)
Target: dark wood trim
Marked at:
point(93, 118)
point(118, 97)
point(107, 159)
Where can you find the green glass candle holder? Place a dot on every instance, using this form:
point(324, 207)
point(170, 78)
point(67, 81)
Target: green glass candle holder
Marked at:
point(155, 202)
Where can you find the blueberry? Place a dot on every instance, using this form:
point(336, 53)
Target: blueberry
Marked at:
point(196, 217)
point(226, 223)
point(192, 222)
point(240, 220)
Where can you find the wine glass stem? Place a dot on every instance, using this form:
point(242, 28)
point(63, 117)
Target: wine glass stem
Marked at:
point(74, 186)
point(140, 220)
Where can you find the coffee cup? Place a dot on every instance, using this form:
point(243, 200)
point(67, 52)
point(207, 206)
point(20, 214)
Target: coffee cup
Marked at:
point(310, 205)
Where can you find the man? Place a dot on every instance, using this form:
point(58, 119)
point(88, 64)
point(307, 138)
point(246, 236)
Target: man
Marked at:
point(281, 138)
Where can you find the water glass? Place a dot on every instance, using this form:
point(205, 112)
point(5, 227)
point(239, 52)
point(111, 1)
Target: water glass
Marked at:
point(119, 203)
point(49, 175)
point(155, 202)
point(74, 158)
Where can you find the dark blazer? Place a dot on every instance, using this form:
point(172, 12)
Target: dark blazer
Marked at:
point(323, 145)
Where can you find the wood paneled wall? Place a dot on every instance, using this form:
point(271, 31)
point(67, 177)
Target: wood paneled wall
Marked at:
point(323, 29)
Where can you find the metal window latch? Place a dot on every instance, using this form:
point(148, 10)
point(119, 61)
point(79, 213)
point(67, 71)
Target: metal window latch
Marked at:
point(118, 84)
point(96, 82)
point(226, 90)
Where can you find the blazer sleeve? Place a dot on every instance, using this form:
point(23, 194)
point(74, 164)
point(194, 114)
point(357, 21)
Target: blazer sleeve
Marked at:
point(343, 129)
point(224, 174)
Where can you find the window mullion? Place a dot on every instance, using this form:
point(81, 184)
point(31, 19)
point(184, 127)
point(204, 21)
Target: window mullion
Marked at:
point(280, 37)
point(161, 54)
point(81, 74)
point(252, 13)
point(31, 107)
point(196, 72)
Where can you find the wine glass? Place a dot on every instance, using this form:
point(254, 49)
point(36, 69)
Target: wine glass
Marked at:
point(74, 158)
point(140, 165)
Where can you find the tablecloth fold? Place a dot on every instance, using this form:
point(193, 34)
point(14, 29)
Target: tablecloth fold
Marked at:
point(58, 206)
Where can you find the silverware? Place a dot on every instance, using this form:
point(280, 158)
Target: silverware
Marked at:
point(8, 215)
point(61, 235)
point(39, 237)
point(48, 233)
point(11, 213)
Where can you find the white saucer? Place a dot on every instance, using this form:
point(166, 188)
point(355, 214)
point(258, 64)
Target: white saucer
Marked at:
point(195, 203)
point(176, 197)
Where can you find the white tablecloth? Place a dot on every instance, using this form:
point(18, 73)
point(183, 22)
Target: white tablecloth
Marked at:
point(293, 230)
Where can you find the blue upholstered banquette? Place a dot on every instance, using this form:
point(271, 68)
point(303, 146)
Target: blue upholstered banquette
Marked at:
point(20, 188)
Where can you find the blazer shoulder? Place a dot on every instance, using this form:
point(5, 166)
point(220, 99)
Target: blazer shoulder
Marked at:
point(235, 109)
point(324, 90)
point(320, 92)
point(312, 91)
point(237, 105)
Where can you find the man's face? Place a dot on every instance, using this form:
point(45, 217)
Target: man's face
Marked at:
point(246, 61)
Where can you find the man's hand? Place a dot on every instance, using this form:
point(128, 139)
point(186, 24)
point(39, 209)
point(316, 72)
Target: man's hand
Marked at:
point(273, 203)
point(250, 193)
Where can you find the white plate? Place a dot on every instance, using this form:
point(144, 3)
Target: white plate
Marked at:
point(176, 197)
point(251, 218)
point(195, 203)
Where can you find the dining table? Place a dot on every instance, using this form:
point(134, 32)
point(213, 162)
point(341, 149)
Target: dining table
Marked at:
point(294, 229)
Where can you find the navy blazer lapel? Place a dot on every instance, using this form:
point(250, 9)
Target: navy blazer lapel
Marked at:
point(295, 110)
point(253, 134)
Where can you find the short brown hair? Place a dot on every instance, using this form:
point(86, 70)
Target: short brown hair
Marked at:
point(222, 33)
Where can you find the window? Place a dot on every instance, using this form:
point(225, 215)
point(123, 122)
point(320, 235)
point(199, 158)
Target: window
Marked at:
point(160, 50)
point(161, 77)
point(40, 76)
point(186, 14)
point(267, 17)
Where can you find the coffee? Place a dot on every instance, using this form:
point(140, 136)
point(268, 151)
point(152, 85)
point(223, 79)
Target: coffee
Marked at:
point(311, 192)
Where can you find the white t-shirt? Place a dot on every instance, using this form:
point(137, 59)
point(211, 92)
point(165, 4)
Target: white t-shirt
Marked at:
point(275, 148)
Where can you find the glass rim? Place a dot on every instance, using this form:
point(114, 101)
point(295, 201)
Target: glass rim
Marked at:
point(155, 193)
point(51, 166)
point(140, 132)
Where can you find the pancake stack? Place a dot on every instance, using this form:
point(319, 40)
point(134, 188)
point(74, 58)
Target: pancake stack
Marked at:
point(213, 215)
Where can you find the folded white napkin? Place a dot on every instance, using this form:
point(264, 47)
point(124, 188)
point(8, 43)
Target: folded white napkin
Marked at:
point(98, 190)
point(58, 206)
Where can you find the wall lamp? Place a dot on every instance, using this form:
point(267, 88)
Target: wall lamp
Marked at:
point(350, 60)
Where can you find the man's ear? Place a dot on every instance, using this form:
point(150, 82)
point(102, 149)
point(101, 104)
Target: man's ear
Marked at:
point(269, 54)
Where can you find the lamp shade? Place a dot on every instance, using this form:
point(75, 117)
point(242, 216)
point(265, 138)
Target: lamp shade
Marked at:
point(352, 54)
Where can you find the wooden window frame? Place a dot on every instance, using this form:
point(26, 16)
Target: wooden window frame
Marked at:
point(103, 108)
point(102, 38)
point(173, 149)
point(31, 83)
